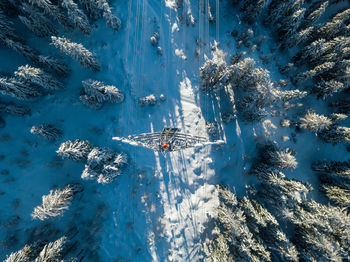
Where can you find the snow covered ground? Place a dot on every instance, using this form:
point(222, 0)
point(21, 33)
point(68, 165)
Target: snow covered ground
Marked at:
point(159, 209)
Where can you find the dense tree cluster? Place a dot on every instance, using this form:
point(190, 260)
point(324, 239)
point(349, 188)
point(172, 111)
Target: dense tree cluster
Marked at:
point(253, 86)
point(246, 231)
point(40, 252)
point(102, 164)
point(335, 180)
point(325, 128)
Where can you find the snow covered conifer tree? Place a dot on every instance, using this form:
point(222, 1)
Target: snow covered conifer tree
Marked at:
point(57, 66)
point(111, 20)
point(99, 156)
point(213, 71)
point(335, 168)
point(322, 231)
point(335, 134)
point(91, 102)
point(290, 24)
point(283, 159)
point(314, 12)
point(27, 254)
point(77, 16)
point(14, 109)
point(76, 150)
point(280, 193)
point(49, 8)
point(265, 227)
point(242, 242)
point(47, 131)
point(336, 25)
point(251, 10)
point(338, 195)
point(53, 251)
point(56, 202)
point(113, 169)
point(36, 21)
point(325, 89)
point(314, 122)
point(316, 71)
point(77, 52)
point(104, 165)
point(37, 76)
point(101, 92)
point(91, 7)
point(15, 88)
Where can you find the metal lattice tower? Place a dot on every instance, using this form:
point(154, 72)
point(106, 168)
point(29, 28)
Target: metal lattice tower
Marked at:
point(168, 140)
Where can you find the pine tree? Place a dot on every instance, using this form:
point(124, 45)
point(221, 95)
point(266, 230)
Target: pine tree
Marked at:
point(217, 249)
point(27, 254)
point(338, 195)
point(314, 12)
point(47, 131)
point(335, 26)
point(38, 77)
point(6, 29)
point(212, 73)
point(56, 202)
point(76, 150)
point(15, 88)
point(265, 226)
point(279, 193)
point(113, 169)
point(101, 92)
point(335, 168)
point(54, 65)
point(314, 122)
point(316, 71)
point(9, 39)
point(283, 159)
point(53, 251)
point(321, 231)
point(111, 20)
point(52, 10)
point(252, 9)
point(36, 21)
point(98, 157)
point(326, 89)
point(90, 102)
point(297, 37)
point(241, 241)
point(14, 109)
point(77, 16)
point(77, 52)
point(91, 7)
point(290, 24)
point(335, 135)
point(104, 165)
